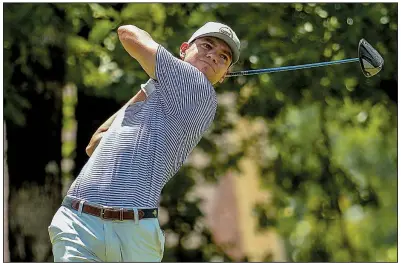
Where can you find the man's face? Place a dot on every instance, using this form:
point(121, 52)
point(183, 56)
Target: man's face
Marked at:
point(210, 55)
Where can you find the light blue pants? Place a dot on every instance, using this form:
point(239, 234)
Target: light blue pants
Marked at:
point(79, 237)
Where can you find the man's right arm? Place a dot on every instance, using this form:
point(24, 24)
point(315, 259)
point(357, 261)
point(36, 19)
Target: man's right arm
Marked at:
point(140, 45)
point(181, 85)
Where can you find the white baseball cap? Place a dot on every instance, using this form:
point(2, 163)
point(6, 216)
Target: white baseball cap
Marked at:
point(222, 32)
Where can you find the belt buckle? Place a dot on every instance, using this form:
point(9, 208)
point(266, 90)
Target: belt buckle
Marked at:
point(141, 214)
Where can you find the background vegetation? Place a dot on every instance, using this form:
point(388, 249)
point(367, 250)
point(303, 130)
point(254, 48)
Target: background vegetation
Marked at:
point(325, 146)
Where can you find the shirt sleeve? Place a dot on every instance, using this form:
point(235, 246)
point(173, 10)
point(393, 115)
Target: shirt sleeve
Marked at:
point(181, 85)
point(199, 118)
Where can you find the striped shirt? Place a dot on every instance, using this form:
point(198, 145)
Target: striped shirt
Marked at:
point(149, 141)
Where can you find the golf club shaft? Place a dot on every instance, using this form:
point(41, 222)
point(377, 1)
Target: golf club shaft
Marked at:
point(288, 68)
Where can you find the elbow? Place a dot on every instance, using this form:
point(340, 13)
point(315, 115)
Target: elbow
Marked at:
point(121, 30)
point(89, 150)
point(126, 32)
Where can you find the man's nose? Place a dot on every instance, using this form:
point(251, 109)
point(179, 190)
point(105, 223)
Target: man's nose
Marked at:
point(213, 56)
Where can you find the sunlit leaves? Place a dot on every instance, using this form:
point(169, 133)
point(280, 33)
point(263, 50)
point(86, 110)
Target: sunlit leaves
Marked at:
point(140, 15)
point(79, 45)
point(100, 30)
point(323, 138)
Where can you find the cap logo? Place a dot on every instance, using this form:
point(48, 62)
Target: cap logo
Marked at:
point(226, 31)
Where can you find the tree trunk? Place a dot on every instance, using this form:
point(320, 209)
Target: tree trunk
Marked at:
point(5, 204)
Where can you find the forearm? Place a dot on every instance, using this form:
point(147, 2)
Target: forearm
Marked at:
point(140, 45)
point(132, 37)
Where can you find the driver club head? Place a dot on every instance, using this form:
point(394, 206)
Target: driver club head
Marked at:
point(370, 60)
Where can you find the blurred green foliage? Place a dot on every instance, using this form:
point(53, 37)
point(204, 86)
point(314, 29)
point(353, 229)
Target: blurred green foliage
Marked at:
point(331, 158)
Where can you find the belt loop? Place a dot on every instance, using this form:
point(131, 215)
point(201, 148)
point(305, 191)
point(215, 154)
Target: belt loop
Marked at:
point(136, 216)
point(102, 213)
point(81, 206)
point(121, 214)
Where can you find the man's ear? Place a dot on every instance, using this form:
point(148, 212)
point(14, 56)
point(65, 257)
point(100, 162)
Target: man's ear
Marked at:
point(184, 46)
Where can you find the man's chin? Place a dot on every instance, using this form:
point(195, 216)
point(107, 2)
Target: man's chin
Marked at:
point(207, 72)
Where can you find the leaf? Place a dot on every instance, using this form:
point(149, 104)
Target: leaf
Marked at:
point(78, 45)
point(100, 31)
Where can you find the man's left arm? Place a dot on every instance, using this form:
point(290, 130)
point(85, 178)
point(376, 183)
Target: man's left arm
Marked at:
point(98, 135)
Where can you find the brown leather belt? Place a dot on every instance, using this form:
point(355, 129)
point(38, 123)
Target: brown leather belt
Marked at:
point(110, 213)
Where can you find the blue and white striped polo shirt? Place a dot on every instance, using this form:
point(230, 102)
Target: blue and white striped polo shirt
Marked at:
point(149, 141)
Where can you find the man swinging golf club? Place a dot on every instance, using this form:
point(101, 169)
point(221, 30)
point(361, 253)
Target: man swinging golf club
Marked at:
point(110, 211)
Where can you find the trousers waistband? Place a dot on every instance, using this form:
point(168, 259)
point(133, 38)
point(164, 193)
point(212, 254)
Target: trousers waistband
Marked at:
point(109, 213)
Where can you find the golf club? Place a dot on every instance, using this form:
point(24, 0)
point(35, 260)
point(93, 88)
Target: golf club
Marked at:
point(370, 60)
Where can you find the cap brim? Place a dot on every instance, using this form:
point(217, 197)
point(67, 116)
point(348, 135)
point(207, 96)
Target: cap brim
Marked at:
point(227, 40)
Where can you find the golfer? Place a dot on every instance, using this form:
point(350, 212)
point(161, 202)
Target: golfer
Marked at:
point(110, 212)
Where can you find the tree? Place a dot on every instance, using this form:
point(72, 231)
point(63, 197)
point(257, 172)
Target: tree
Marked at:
point(331, 158)
point(323, 139)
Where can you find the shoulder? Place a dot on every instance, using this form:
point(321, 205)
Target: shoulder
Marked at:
point(173, 68)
